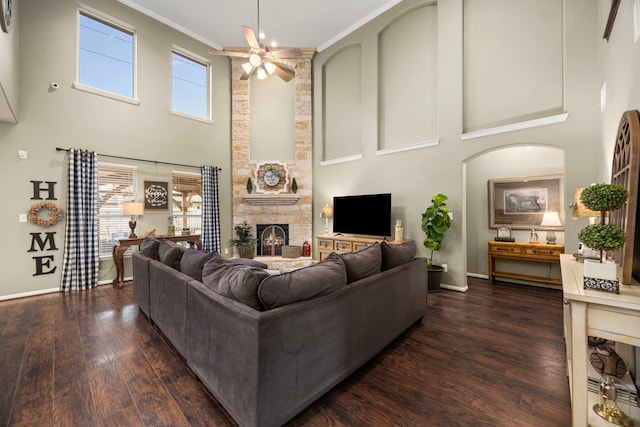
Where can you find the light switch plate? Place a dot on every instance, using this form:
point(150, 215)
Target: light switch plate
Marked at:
point(22, 218)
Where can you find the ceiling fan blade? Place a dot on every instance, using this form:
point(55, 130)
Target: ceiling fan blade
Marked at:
point(280, 72)
point(251, 38)
point(286, 53)
point(228, 53)
point(245, 76)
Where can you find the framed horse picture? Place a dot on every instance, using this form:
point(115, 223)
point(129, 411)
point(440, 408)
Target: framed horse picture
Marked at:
point(520, 203)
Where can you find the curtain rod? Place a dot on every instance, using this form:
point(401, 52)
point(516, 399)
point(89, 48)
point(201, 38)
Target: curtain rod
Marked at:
point(139, 160)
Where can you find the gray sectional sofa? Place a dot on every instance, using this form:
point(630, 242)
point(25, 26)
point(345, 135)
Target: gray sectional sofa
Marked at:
point(266, 346)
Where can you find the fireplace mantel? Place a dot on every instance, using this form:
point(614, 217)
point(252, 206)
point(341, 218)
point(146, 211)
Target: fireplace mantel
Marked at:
point(269, 199)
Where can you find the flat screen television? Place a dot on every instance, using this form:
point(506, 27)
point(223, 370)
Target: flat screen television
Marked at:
point(368, 214)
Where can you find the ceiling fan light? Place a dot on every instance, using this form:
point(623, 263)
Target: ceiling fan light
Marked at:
point(247, 67)
point(262, 74)
point(255, 60)
point(270, 67)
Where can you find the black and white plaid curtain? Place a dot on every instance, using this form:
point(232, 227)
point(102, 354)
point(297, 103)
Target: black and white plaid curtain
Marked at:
point(210, 210)
point(81, 254)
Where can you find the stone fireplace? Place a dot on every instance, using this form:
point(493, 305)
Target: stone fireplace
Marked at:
point(277, 205)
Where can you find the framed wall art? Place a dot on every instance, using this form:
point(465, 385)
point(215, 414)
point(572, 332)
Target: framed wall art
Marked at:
point(520, 203)
point(156, 195)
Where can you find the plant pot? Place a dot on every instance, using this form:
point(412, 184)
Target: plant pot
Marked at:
point(434, 278)
point(246, 251)
point(601, 276)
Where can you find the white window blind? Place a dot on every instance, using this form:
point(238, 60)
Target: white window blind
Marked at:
point(116, 184)
point(187, 201)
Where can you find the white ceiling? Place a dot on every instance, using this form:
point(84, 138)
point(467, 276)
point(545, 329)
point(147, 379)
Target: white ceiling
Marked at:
point(291, 23)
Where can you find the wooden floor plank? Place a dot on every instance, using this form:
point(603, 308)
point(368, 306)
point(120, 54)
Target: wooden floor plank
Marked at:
point(493, 356)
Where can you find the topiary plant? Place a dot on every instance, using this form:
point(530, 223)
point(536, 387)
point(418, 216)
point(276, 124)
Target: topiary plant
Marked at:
point(435, 222)
point(603, 198)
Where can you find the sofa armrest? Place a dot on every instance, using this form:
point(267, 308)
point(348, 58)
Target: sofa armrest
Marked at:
point(141, 281)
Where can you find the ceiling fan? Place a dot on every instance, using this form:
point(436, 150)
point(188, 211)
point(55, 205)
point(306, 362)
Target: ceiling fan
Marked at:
point(259, 58)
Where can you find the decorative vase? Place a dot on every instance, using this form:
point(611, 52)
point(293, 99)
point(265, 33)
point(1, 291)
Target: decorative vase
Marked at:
point(434, 278)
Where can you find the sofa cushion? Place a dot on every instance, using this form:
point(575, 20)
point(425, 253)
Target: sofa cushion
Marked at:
point(303, 284)
point(235, 281)
point(170, 253)
point(149, 248)
point(248, 262)
point(395, 255)
point(193, 261)
point(362, 263)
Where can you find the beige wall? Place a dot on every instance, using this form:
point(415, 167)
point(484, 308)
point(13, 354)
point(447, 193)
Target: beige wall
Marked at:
point(72, 118)
point(414, 176)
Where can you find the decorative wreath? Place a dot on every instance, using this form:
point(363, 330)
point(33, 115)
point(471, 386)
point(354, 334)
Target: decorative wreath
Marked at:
point(54, 214)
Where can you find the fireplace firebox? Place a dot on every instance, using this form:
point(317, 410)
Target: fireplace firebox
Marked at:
point(271, 239)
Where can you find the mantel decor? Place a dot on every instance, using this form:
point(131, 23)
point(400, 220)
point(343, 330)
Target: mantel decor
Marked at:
point(271, 177)
point(520, 203)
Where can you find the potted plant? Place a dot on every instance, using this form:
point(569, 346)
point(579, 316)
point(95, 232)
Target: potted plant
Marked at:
point(435, 222)
point(245, 242)
point(602, 237)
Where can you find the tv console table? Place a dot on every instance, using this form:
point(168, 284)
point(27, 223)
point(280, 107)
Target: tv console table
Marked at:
point(343, 244)
point(529, 252)
point(123, 245)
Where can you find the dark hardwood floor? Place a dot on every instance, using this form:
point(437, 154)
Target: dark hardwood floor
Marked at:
point(493, 356)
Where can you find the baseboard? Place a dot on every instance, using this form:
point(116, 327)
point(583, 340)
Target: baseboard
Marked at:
point(478, 276)
point(457, 288)
point(29, 294)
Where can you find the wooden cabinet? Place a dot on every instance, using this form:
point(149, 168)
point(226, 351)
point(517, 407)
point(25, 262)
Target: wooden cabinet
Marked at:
point(344, 244)
point(529, 252)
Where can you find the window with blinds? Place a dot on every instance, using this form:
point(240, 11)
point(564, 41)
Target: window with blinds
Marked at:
point(187, 201)
point(116, 184)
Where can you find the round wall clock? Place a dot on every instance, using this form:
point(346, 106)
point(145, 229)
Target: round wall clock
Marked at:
point(271, 178)
point(5, 15)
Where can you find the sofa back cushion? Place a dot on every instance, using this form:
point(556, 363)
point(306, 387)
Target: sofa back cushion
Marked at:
point(193, 261)
point(170, 253)
point(149, 248)
point(395, 255)
point(235, 281)
point(363, 263)
point(303, 284)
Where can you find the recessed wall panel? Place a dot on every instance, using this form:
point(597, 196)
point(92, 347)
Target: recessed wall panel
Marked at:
point(407, 77)
point(342, 104)
point(513, 66)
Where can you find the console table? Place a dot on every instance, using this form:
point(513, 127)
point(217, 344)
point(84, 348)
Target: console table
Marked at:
point(123, 244)
point(596, 313)
point(343, 244)
point(529, 252)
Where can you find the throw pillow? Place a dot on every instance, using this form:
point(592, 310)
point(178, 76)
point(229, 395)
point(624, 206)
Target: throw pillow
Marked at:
point(170, 253)
point(395, 255)
point(193, 261)
point(363, 263)
point(237, 282)
point(149, 248)
point(309, 282)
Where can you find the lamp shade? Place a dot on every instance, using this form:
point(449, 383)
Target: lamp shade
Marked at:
point(327, 211)
point(551, 219)
point(132, 208)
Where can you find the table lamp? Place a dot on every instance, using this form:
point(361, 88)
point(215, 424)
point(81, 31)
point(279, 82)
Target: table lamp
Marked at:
point(327, 212)
point(551, 219)
point(134, 209)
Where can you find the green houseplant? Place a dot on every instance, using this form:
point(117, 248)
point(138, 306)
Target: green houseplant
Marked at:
point(245, 242)
point(435, 223)
point(602, 237)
